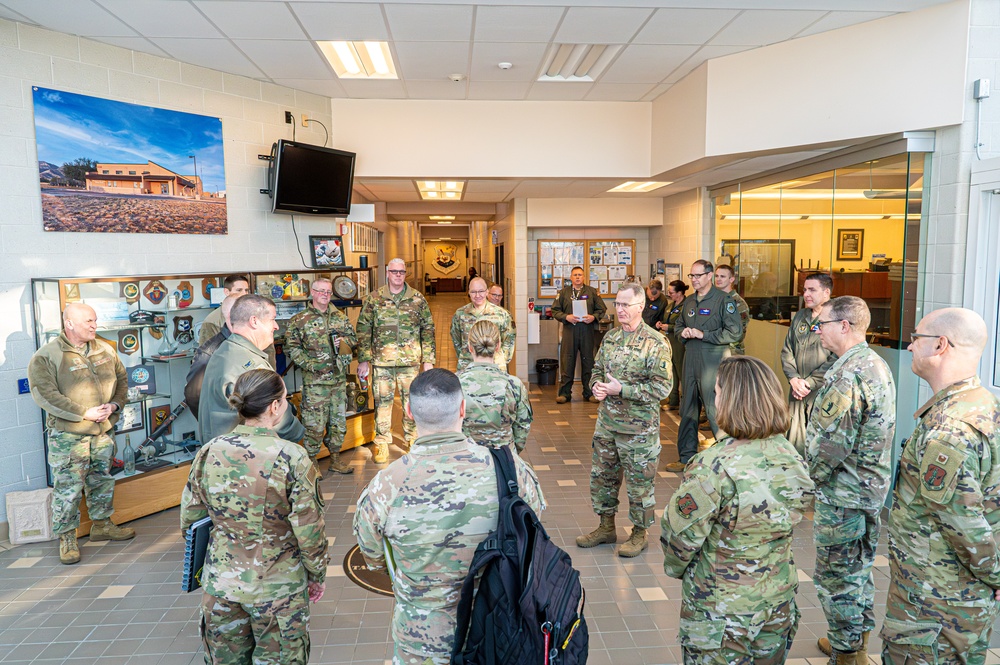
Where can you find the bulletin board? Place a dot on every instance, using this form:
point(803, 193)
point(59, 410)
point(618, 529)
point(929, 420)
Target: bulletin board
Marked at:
point(607, 264)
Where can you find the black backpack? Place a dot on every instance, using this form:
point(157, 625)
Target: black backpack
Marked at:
point(528, 609)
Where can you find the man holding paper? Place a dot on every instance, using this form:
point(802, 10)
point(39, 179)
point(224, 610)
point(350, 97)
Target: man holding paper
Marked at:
point(578, 307)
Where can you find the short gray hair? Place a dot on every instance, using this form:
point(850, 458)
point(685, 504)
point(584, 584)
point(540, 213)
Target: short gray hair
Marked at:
point(634, 288)
point(852, 309)
point(436, 400)
point(395, 260)
point(249, 306)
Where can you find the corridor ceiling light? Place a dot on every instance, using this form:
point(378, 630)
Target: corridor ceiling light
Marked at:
point(577, 62)
point(441, 217)
point(633, 187)
point(795, 218)
point(440, 190)
point(827, 194)
point(360, 60)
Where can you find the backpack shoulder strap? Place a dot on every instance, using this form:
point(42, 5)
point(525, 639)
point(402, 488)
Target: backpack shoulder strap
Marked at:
point(503, 459)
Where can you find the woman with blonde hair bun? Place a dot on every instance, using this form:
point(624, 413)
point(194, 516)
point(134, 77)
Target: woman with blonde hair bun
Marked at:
point(497, 411)
point(727, 530)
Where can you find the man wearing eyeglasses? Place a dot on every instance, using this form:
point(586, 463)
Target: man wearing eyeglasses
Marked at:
point(480, 308)
point(320, 339)
point(395, 338)
point(849, 450)
point(803, 359)
point(725, 280)
point(577, 334)
point(944, 556)
point(709, 322)
point(632, 374)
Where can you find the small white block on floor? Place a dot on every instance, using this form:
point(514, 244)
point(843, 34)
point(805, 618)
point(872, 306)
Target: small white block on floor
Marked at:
point(99, 543)
point(115, 591)
point(328, 496)
point(796, 661)
point(534, 399)
point(330, 540)
point(881, 561)
point(352, 508)
point(652, 593)
point(658, 513)
point(562, 423)
point(566, 483)
point(571, 462)
point(335, 571)
point(549, 449)
point(803, 577)
point(541, 467)
point(594, 416)
point(25, 562)
point(666, 474)
point(356, 462)
point(555, 411)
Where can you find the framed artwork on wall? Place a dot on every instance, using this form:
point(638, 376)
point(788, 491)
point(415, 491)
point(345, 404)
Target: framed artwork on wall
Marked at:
point(327, 251)
point(850, 244)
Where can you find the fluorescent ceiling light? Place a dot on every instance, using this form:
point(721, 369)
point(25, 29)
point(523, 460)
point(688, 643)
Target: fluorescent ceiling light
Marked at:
point(799, 217)
point(441, 217)
point(437, 190)
point(360, 60)
point(633, 187)
point(577, 62)
point(827, 194)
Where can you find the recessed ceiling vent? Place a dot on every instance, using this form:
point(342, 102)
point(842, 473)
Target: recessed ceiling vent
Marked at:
point(577, 62)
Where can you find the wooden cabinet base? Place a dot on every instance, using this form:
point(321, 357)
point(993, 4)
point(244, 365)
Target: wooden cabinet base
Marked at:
point(162, 490)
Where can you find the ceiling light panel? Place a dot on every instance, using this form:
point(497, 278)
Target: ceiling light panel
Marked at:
point(634, 187)
point(360, 60)
point(440, 190)
point(577, 62)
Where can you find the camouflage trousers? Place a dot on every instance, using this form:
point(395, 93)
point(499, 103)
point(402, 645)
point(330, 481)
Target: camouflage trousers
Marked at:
point(384, 383)
point(80, 463)
point(632, 456)
point(919, 630)
point(324, 409)
point(764, 638)
point(845, 554)
point(401, 657)
point(272, 633)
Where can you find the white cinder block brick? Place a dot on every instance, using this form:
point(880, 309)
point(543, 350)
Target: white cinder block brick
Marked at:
point(155, 66)
point(201, 77)
point(279, 94)
point(11, 92)
point(33, 67)
point(267, 113)
point(180, 96)
point(244, 131)
point(39, 40)
point(241, 85)
point(105, 55)
point(13, 151)
point(74, 75)
point(135, 87)
point(8, 33)
point(223, 105)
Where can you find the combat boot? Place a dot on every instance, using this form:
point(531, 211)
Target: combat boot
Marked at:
point(107, 530)
point(824, 646)
point(69, 549)
point(337, 466)
point(849, 658)
point(636, 543)
point(862, 653)
point(605, 533)
point(381, 455)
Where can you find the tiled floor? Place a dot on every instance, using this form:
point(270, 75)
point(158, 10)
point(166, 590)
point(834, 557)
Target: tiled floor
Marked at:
point(122, 603)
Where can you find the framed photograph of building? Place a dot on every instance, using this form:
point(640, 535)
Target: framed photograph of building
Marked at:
point(850, 244)
point(327, 251)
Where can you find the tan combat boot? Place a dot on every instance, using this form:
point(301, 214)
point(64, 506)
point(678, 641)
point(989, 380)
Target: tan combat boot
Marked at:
point(337, 466)
point(862, 653)
point(605, 533)
point(636, 543)
point(846, 658)
point(69, 549)
point(107, 530)
point(824, 646)
point(381, 455)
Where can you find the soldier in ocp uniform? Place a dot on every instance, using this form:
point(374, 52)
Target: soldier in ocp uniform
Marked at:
point(268, 552)
point(497, 410)
point(631, 376)
point(395, 338)
point(849, 449)
point(709, 322)
point(81, 385)
point(320, 339)
point(412, 505)
point(803, 359)
point(727, 530)
point(480, 309)
point(944, 554)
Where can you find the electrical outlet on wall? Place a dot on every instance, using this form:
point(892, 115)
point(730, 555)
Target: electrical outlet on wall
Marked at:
point(305, 120)
point(288, 117)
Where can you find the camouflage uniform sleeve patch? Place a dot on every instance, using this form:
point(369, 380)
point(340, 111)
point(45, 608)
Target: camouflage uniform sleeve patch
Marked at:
point(834, 405)
point(688, 505)
point(939, 471)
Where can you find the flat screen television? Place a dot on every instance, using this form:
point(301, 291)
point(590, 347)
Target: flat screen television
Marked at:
point(310, 179)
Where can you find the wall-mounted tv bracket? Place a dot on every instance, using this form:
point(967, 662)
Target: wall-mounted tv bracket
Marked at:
point(266, 158)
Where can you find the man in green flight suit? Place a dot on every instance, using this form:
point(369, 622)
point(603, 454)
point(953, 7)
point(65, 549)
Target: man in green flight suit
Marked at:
point(725, 280)
point(632, 374)
point(395, 339)
point(709, 322)
point(577, 334)
point(321, 340)
point(944, 555)
point(849, 450)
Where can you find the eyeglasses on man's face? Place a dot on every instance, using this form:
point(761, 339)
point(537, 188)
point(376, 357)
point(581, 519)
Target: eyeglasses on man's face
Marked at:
point(476, 293)
point(396, 272)
point(697, 275)
point(625, 305)
point(820, 324)
point(914, 336)
point(322, 292)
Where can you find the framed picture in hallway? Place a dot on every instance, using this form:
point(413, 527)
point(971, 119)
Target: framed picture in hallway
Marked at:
point(850, 244)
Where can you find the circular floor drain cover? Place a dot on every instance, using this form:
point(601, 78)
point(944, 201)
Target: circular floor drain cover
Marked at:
point(358, 572)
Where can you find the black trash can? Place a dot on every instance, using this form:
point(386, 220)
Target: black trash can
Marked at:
point(546, 370)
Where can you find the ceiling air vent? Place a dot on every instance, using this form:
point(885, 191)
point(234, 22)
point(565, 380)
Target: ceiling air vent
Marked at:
point(577, 62)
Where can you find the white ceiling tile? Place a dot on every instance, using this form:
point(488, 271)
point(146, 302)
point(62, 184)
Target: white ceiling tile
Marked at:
point(485, 197)
point(11, 15)
point(703, 54)
point(390, 184)
point(761, 27)
point(161, 18)
point(646, 63)
point(134, 43)
point(558, 91)
point(82, 17)
point(835, 20)
point(417, 89)
point(490, 186)
point(252, 20)
point(683, 26)
point(588, 188)
point(416, 23)
point(516, 24)
point(526, 58)
point(618, 92)
point(326, 87)
point(540, 188)
point(214, 53)
point(431, 60)
point(600, 25)
point(347, 21)
point(285, 58)
point(498, 89)
point(361, 89)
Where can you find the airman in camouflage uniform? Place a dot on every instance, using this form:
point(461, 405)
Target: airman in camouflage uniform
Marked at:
point(725, 280)
point(444, 490)
point(395, 333)
point(632, 374)
point(943, 550)
point(727, 533)
point(81, 385)
point(320, 340)
point(849, 449)
point(478, 310)
point(803, 359)
point(497, 410)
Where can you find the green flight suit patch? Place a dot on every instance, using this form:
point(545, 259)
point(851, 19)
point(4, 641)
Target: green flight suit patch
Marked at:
point(939, 470)
point(731, 308)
